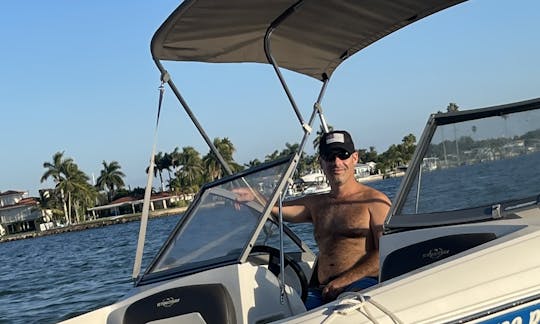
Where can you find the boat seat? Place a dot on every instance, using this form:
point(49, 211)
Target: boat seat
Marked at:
point(211, 301)
point(423, 253)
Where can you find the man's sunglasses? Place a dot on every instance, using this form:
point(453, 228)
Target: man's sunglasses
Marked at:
point(342, 155)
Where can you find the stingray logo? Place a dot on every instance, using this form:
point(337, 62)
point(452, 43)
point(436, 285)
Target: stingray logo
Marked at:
point(435, 254)
point(168, 302)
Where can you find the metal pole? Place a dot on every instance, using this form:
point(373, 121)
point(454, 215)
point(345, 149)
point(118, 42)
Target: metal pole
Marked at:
point(171, 84)
point(281, 254)
point(270, 58)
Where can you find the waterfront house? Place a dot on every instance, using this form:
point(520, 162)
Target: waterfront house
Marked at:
point(362, 170)
point(20, 213)
point(132, 205)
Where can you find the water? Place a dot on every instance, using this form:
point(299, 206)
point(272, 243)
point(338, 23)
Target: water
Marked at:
point(476, 184)
point(52, 278)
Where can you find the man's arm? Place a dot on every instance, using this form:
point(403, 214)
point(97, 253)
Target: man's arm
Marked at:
point(378, 212)
point(294, 211)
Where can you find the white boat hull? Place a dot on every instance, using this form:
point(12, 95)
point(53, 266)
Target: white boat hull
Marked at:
point(237, 280)
point(481, 284)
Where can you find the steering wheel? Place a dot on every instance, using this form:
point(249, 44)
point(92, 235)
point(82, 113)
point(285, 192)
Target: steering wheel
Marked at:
point(273, 266)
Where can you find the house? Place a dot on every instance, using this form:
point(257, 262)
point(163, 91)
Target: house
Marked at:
point(20, 213)
point(131, 205)
point(362, 170)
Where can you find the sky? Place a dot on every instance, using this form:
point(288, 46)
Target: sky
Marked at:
point(77, 77)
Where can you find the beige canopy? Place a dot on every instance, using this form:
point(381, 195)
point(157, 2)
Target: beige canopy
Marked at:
point(313, 40)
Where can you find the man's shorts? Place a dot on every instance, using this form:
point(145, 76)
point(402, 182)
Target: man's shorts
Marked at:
point(314, 295)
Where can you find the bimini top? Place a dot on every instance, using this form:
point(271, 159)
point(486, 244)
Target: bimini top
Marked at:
point(313, 40)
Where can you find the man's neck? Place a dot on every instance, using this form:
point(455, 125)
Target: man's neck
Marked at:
point(345, 189)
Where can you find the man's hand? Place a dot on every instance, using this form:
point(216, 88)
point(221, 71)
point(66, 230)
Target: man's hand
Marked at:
point(243, 195)
point(332, 290)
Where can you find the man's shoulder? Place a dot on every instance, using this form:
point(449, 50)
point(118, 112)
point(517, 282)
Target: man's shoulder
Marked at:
point(372, 193)
point(317, 197)
point(308, 199)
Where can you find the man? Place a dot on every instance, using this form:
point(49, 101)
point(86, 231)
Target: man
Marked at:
point(347, 222)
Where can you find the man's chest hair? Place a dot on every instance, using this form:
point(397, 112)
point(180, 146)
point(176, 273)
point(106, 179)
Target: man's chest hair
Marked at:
point(341, 218)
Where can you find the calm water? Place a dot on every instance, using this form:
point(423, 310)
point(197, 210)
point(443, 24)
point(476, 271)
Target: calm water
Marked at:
point(53, 278)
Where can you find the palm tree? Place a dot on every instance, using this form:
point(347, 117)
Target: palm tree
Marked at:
point(72, 184)
point(190, 166)
point(311, 163)
point(167, 164)
point(160, 163)
point(110, 178)
point(365, 156)
point(56, 171)
point(290, 149)
point(175, 157)
point(407, 147)
point(75, 185)
point(372, 155)
point(212, 164)
point(252, 163)
point(85, 197)
point(303, 165)
point(452, 107)
point(392, 157)
point(79, 191)
point(227, 149)
point(271, 157)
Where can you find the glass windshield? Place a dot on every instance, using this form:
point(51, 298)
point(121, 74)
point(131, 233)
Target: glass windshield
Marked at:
point(269, 236)
point(477, 163)
point(217, 228)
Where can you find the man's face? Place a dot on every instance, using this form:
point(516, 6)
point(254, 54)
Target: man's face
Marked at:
point(338, 166)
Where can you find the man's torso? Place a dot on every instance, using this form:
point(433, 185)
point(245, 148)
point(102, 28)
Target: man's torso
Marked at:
point(342, 232)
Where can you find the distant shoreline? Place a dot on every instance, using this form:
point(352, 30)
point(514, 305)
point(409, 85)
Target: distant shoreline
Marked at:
point(100, 222)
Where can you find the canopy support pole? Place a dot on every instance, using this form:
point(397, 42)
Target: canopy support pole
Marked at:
point(317, 106)
point(184, 104)
point(270, 58)
point(307, 127)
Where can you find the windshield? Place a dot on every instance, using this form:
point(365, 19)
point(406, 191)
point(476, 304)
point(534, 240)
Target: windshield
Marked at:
point(475, 162)
point(216, 228)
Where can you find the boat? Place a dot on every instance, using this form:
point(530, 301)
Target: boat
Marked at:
point(313, 182)
point(316, 177)
point(468, 258)
point(316, 189)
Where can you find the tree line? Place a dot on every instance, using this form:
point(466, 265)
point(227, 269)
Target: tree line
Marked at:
point(181, 171)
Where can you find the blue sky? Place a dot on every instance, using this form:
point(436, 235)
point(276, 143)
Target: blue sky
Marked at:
point(77, 77)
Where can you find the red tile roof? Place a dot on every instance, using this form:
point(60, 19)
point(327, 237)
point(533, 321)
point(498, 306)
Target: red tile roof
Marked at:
point(23, 202)
point(123, 199)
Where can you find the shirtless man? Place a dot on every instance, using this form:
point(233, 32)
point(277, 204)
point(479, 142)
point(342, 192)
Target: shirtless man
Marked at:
point(347, 222)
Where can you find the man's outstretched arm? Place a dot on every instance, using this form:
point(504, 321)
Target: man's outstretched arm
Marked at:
point(294, 211)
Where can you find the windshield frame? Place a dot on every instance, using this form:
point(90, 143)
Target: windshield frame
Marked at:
point(177, 271)
point(397, 220)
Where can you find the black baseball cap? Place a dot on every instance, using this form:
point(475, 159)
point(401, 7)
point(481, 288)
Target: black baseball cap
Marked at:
point(335, 141)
